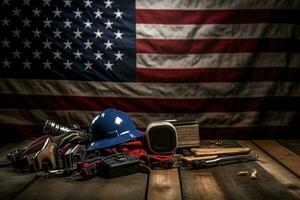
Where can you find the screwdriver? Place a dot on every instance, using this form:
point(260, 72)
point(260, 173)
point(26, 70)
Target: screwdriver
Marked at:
point(88, 169)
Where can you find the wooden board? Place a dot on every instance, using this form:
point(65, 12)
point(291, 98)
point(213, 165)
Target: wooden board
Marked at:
point(164, 185)
point(12, 182)
point(281, 154)
point(292, 145)
point(274, 181)
point(130, 187)
point(221, 182)
point(282, 174)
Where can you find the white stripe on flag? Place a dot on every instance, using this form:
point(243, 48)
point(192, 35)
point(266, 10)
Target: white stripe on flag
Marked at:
point(206, 120)
point(215, 31)
point(224, 60)
point(149, 90)
point(217, 4)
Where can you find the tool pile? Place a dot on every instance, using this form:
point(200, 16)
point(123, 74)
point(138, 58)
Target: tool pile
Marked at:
point(113, 147)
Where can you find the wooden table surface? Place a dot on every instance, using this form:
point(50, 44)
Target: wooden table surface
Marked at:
point(278, 178)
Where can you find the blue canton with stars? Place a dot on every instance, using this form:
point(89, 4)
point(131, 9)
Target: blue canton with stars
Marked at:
point(68, 39)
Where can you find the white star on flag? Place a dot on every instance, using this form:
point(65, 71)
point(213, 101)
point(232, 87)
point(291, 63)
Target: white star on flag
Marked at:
point(57, 54)
point(68, 44)
point(108, 66)
point(88, 44)
point(47, 44)
point(88, 24)
point(68, 65)
point(57, 33)
point(36, 12)
point(26, 22)
point(5, 43)
point(27, 44)
point(67, 23)
point(16, 53)
point(108, 3)
point(46, 2)
point(47, 23)
point(98, 55)
point(36, 33)
point(118, 14)
point(27, 64)
point(87, 3)
point(26, 2)
point(98, 34)
point(16, 12)
point(6, 63)
point(108, 24)
point(78, 13)
point(98, 14)
point(119, 35)
point(119, 55)
point(77, 55)
point(57, 12)
point(5, 22)
point(78, 33)
point(108, 44)
point(5, 2)
point(47, 65)
point(88, 65)
point(67, 3)
point(36, 54)
point(16, 33)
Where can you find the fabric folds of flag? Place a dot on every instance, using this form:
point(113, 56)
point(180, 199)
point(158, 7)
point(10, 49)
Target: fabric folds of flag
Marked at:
point(231, 65)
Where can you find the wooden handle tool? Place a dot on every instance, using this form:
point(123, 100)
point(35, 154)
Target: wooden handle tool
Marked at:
point(219, 151)
point(191, 158)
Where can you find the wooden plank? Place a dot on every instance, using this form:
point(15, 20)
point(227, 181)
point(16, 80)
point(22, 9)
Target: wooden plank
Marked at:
point(125, 187)
point(12, 182)
point(200, 185)
point(283, 175)
point(221, 182)
point(281, 154)
point(292, 145)
point(164, 184)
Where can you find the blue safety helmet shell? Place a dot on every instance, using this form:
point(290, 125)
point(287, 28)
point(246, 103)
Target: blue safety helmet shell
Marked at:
point(112, 127)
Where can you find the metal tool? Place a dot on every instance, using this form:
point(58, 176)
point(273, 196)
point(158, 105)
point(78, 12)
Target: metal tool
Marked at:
point(87, 169)
point(199, 164)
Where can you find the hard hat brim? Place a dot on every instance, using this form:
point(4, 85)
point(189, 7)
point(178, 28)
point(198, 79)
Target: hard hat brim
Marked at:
point(109, 142)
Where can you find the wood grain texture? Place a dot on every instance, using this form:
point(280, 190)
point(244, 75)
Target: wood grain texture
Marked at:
point(281, 154)
point(292, 145)
point(164, 185)
point(125, 187)
point(12, 182)
point(200, 185)
point(221, 182)
point(283, 175)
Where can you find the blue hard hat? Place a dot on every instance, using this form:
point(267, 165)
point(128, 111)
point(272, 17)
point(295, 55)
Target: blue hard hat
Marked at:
point(112, 127)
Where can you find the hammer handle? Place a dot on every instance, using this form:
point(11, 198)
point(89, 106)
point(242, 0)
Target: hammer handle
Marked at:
point(192, 158)
point(219, 151)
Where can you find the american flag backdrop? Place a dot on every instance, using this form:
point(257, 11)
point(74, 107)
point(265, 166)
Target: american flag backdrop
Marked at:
point(232, 65)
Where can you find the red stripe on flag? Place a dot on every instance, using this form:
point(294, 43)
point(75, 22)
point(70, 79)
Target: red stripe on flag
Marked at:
point(159, 46)
point(150, 105)
point(233, 16)
point(190, 75)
